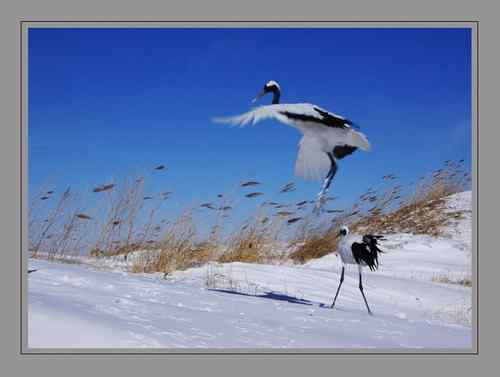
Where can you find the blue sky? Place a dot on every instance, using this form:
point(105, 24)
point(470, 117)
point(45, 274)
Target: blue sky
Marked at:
point(107, 102)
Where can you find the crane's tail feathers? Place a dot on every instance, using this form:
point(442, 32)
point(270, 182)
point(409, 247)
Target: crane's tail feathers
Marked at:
point(360, 140)
point(372, 241)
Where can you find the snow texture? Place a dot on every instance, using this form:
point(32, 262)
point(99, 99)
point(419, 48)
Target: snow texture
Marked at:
point(417, 298)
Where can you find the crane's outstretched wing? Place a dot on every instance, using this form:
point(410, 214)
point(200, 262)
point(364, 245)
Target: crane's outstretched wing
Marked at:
point(312, 163)
point(303, 116)
point(289, 114)
point(253, 116)
point(333, 120)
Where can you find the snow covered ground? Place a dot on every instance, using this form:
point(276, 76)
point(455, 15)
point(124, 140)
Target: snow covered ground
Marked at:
point(417, 296)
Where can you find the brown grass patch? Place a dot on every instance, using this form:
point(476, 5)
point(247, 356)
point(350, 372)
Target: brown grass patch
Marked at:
point(445, 279)
point(178, 250)
point(384, 211)
point(251, 244)
point(137, 268)
point(314, 247)
point(122, 222)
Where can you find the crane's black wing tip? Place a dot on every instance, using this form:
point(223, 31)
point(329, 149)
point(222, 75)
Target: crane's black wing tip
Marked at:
point(352, 124)
point(375, 237)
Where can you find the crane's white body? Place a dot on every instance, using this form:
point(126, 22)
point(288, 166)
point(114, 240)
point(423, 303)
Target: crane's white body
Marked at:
point(345, 250)
point(318, 140)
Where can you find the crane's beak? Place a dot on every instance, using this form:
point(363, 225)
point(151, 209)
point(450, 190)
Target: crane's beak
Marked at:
point(261, 94)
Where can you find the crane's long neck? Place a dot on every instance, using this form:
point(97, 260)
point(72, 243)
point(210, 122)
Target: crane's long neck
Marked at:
point(276, 96)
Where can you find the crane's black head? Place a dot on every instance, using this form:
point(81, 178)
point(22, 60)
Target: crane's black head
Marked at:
point(344, 231)
point(270, 87)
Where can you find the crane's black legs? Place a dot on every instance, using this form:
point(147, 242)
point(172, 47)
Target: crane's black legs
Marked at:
point(361, 289)
point(338, 289)
point(331, 173)
point(327, 182)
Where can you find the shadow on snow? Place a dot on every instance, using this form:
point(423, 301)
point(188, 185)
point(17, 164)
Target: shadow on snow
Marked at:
point(272, 296)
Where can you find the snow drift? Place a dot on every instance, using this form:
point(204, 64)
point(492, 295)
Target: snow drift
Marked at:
point(420, 296)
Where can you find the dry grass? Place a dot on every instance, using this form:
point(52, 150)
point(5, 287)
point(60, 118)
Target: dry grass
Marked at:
point(254, 242)
point(316, 246)
point(386, 211)
point(122, 222)
point(59, 234)
point(137, 268)
point(179, 249)
point(247, 247)
point(445, 279)
point(422, 212)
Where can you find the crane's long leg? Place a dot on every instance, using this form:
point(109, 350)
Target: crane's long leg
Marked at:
point(326, 183)
point(361, 289)
point(338, 288)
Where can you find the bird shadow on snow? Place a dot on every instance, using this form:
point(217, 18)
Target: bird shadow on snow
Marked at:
point(281, 297)
point(271, 296)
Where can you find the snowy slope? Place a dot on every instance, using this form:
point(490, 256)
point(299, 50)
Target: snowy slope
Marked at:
point(414, 295)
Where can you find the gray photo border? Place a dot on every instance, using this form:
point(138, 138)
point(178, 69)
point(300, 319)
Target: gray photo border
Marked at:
point(24, 25)
point(484, 363)
point(249, 364)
